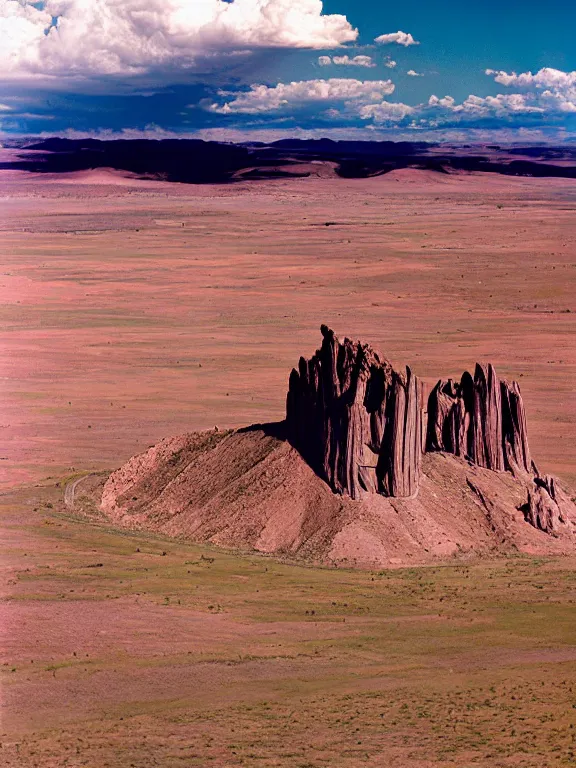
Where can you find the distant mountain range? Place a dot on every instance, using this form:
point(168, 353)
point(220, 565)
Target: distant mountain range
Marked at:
point(199, 162)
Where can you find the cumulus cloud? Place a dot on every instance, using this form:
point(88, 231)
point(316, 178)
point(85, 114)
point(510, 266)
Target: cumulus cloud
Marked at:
point(413, 73)
point(502, 105)
point(386, 112)
point(551, 89)
point(544, 78)
point(401, 38)
point(390, 63)
point(448, 102)
point(128, 37)
point(346, 61)
point(261, 99)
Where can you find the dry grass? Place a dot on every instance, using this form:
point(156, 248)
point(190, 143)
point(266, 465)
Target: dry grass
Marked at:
point(127, 651)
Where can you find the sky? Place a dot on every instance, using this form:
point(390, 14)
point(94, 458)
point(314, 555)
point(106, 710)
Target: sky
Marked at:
point(259, 70)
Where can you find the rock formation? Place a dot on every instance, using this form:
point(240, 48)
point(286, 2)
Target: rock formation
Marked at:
point(481, 419)
point(355, 420)
point(363, 471)
point(360, 424)
point(549, 507)
point(364, 427)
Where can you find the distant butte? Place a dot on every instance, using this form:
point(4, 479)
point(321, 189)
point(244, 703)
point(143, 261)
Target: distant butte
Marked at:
point(366, 469)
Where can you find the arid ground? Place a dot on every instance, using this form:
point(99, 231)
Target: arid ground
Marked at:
point(134, 310)
point(126, 650)
point(138, 311)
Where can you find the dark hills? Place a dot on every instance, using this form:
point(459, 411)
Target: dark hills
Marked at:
point(196, 162)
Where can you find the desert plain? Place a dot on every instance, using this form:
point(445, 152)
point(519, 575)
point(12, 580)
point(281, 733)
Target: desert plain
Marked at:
point(132, 310)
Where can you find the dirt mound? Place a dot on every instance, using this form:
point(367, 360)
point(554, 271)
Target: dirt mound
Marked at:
point(98, 176)
point(249, 489)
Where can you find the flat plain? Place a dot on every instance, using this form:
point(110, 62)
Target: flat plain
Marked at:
point(129, 650)
point(135, 310)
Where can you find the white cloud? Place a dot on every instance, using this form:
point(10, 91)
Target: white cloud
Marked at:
point(552, 89)
point(126, 37)
point(386, 112)
point(544, 78)
point(413, 73)
point(447, 102)
point(401, 38)
point(390, 63)
point(346, 61)
point(284, 96)
point(501, 105)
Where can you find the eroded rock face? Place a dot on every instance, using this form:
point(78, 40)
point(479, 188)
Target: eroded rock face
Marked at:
point(355, 420)
point(549, 508)
point(482, 419)
point(364, 427)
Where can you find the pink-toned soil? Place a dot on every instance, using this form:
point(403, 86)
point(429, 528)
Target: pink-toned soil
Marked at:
point(136, 310)
point(125, 649)
point(249, 491)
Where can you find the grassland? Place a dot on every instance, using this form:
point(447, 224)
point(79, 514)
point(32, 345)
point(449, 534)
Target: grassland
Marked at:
point(127, 651)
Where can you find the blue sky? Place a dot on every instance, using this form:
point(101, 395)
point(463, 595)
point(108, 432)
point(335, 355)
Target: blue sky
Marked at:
point(265, 69)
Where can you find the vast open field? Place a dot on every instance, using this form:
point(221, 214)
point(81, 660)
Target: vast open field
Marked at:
point(127, 650)
point(134, 310)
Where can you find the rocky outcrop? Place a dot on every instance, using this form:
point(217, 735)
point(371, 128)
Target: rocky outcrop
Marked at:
point(363, 471)
point(364, 427)
point(549, 508)
point(482, 419)
point(514, 430)
point(356, 421)
point(360, 424)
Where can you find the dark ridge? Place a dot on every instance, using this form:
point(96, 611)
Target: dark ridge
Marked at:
point(198, 162)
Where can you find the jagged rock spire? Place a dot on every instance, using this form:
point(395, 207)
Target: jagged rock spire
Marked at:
point(355, 420)
point(549, 508)
point(363, 427)
point(481, 419)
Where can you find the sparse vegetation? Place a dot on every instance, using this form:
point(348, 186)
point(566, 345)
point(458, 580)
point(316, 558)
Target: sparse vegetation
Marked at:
point(253, 662)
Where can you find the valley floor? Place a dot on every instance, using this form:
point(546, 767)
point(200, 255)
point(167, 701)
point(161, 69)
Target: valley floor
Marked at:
point(135, 310)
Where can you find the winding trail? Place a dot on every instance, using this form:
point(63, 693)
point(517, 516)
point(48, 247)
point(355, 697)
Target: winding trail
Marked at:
point(70, 490)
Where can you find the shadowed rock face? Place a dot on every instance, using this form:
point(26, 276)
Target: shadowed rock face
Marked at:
point(355, 420)
point(481, 419)
point(363, 427)
point(549, 508)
